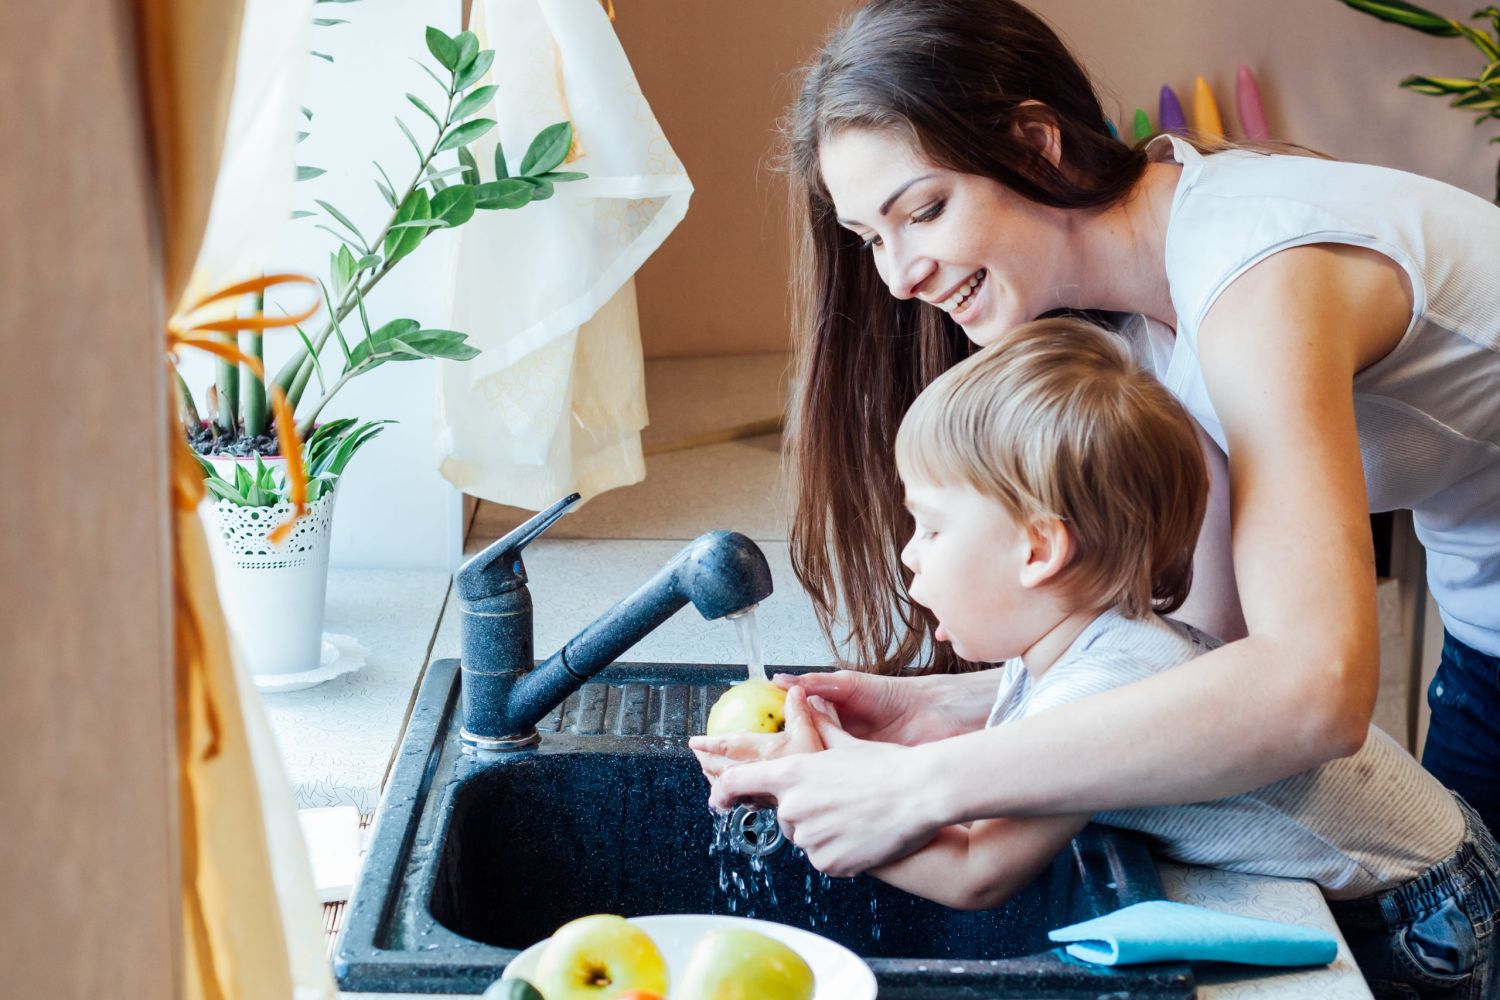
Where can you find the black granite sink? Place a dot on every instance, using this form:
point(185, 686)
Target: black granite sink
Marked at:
point(475, 859)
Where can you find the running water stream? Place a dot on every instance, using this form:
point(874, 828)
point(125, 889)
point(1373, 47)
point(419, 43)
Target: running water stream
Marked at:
point(746, 881)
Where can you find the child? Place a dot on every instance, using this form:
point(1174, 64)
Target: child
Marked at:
point(1058, 490)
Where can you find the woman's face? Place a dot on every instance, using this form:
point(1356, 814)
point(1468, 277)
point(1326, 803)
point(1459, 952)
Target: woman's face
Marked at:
point(963, 243)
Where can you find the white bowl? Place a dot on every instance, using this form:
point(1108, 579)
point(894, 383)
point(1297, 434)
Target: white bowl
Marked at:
point(838, 973)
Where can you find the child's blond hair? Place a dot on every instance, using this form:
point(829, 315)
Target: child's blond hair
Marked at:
point(1057, 420)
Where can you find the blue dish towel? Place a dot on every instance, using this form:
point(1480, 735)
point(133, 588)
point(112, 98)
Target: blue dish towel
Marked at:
point(1163, 931)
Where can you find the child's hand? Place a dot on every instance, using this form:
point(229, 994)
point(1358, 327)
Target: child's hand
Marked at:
point(801, 735)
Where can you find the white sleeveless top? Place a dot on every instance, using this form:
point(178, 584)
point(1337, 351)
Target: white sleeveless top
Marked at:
point(1428, 413)
point(1356, 826)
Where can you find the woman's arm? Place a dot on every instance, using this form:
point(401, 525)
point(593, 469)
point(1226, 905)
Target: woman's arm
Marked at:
point(981, 866)
point(1279, 351)
point(1213, 605)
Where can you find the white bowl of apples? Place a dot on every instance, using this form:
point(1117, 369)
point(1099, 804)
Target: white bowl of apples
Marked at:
point(601, 957)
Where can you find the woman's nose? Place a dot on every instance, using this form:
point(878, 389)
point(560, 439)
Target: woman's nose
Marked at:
point(908, 272)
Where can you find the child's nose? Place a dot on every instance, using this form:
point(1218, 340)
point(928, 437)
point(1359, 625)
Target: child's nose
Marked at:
point(909, 555)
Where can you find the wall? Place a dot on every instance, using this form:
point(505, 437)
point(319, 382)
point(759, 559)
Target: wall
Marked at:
point(719, 74)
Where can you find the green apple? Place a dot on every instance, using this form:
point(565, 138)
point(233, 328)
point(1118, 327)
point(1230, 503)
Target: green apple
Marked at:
point(735, 964)
point(598, 957)
point(748, 707)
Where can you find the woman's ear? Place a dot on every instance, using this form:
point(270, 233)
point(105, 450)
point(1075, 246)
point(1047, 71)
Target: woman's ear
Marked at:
point(1050, 550)
point(1037, 128)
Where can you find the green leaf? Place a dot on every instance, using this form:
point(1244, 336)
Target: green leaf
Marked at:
point(435, 78)
point(389, 190)
point(548, 149)
point(540, 190)
point(441, 344)
point(341, 268)
point(308, 173)
point(328, 22)
point(1438, 84)
point(454, 205)
point(337, 332)
point(416, 146)
point(363, 353)
point(423, 224)
point(563, 176)
point(335, 233)
point(501, 171)
point(344, 219)
point(369, 261)
point(302, 213)
point(422, 107)
point(466, 133)
point(470, 165)
point(224, 491)
point(443, 49)
point(475, 71)
point(307, 113)
point(321, 55)
point(510, 193)
point(302, 137)
point(474, 102)
point(400, 242)
point(1409, 15)
point(433, 175)
point(386, 192)
point(468, 48)
point(312, 351)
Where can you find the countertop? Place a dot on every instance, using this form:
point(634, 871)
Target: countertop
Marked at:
point(337, 738)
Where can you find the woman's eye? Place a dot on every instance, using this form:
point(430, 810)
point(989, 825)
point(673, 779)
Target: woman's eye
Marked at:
point(870, 244)
point(931, 212)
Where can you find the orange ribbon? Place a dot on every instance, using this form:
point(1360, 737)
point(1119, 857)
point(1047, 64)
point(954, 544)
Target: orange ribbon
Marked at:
point(183, 331)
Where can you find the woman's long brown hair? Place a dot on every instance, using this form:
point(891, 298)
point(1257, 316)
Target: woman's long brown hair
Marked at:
point(954, 77)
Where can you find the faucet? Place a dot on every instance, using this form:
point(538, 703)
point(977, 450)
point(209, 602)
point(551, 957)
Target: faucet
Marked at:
point(505, 692)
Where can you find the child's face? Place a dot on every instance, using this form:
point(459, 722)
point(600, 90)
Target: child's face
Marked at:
point(974, 568)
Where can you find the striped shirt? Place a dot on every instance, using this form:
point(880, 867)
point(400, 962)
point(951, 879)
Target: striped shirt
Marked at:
point(1356, 826)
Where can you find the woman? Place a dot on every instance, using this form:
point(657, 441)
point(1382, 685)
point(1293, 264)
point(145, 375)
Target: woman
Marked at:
point(1333, 327)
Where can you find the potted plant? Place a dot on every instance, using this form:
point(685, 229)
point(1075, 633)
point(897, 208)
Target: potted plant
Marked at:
point(1478, 94)
point(273, 516)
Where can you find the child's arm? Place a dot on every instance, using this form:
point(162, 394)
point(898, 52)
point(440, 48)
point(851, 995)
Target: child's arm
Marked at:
point(715, 753)
point(984, 864)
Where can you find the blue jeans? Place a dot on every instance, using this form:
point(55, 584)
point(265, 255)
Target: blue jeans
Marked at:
point(1434, 937)
point(1463, 740)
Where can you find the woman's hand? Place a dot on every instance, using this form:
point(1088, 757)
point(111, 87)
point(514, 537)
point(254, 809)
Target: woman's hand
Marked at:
point(800, 735)
point(856, 805)
point(906, 710)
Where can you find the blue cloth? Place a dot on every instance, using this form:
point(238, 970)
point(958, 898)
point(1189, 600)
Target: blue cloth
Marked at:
point(1163, 931)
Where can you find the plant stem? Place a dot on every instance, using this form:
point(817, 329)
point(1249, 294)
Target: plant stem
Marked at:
point(228, 381)
point(305, 426)
point(294, 375)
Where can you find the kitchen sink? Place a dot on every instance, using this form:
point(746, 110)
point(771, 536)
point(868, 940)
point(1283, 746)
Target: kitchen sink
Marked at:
point(474, 858)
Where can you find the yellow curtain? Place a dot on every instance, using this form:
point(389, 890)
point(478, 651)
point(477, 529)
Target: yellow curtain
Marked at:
point(235, 941)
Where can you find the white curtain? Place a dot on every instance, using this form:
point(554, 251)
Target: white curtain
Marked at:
point(556, 401)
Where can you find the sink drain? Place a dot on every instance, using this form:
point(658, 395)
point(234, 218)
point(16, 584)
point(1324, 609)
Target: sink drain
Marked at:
point(754, 831)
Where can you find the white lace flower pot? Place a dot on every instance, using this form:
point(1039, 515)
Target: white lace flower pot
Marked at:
point(273, 594)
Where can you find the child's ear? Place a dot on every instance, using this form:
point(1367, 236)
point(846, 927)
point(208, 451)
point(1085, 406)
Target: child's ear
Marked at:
point(1050, 549)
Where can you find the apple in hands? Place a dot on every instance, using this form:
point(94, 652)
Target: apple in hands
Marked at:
point(597, 958)
point(748, 707)
point(734, 964)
